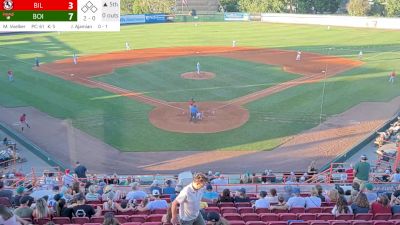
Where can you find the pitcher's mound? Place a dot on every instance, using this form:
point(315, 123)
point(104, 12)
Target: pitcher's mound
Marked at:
point(217, 117)
point(203, 75)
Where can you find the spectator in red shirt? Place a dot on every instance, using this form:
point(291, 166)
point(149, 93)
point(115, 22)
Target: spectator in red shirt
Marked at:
point(381, 205)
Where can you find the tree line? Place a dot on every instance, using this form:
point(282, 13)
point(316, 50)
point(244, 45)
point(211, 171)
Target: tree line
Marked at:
point(390, 8)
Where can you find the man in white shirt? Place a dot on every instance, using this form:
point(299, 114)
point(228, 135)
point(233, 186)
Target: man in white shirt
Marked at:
point(189, 202)
point(262, 203)
point(136, 193)
point(296, 201)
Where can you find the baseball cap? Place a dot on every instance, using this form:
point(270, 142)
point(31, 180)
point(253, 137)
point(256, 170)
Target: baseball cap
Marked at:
point(57, 197)
point(209, 187)
point(396, 193)
point(24, 200)
point(364, 157)
point(296, 190)
point(20, 190)
point(155, 192)
point(242, 190)
point(213, 216)
point(369, 186)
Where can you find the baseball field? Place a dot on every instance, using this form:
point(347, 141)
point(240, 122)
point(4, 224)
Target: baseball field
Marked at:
point(256, 99)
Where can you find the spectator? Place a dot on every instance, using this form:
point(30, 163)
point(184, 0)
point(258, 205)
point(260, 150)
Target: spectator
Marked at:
point(112, 205)
point(8, 218)
point(313, 201)
point(381, 205)
point(189, 200)
point(273, 197)
point(62, 210)
point(226, 196)
point(395, 202)
point(311, 170)
point(271, 177)
point(41, 210)
point(371, 195)
point(92, 195)
point(80, 171)
point(360, 204)
point(24, 211)
point(262, 202)
point(155, 186)
point(296, 201)
point(361, 171)
point(110, 189)
point(67, 178)
point(288, 192)
point(166, 219)
point(320, 191)
point(213, 218)
point(128, 181)
point(168, 190)
point(210, 196)
point(136, 193)
point(5, 193)
point(83, 210)
point(109, 219)
point(114, 179)
point(341, 207)
point(350, 174)
point(157, 203)
point(291, 178)
point(241, 196)
point(219, 179)
point(333, 195)
point(281, 204)
point(19, 193)
point(396, 176)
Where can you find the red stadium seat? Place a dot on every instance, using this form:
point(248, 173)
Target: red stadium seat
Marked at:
point(383, 222)
point(228, 210)
point(297, 210)
point(242, 204)
point(250, 217)
point(314, 210)
point(154, 218)
point(226, 204)
point(242, 210)
point(279, 211)
point(255, 223)
point(319, 222)
point(340, 222)
point(278, 223)
point(267, 217)
point(122, 218)
point(97, 219)
point(327, 209)
point(363, 216)
point(307, 216)
point(287, 216)
point(232, 216)
point(325, 216)
point(5, 201)
point(362, 222)
point(42, 221)
point(152, 223)
point(159, 211)
point(262, 210)
point(382, 216)
point(299, 223)
point(237, 222)
point(345, 217)
point(137, 218)
point(80, 220)
point(92, 224)
point(61, 220)
point(396, 216)
point(132, 223)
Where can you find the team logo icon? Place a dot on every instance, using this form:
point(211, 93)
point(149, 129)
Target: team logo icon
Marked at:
point(8, 4)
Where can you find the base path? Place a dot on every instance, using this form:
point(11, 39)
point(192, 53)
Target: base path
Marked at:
point(217, 116)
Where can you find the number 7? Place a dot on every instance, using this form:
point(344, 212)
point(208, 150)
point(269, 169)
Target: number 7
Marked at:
point(70, 15)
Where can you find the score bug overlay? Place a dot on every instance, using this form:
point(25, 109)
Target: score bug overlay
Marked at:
point(60, 15)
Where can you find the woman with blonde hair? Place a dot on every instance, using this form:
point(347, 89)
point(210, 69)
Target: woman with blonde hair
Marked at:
point(360, 203)
point(92, 195)
point(112, 205)
point(41, 210)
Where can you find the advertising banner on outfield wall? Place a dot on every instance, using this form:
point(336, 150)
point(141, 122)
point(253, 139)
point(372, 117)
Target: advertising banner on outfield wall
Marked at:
point(155, 18)
point(232, 16)
point(132, 19)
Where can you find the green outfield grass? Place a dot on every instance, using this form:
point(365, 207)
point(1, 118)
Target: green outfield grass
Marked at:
point(162, 80)
point(123, 123)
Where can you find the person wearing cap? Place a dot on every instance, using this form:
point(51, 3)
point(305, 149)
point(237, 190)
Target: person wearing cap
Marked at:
point(213, 218)
point(18, 195)
point(136, 193)
point(296, 200)
point(168, 189)
point(24, 211)
point(370, 193)
point(209, 195)
point(261, 202)
point(84, 210)
point(155, 186)
point(361, 171)
point(241, 196)
point(189, 202)
point(157, 203)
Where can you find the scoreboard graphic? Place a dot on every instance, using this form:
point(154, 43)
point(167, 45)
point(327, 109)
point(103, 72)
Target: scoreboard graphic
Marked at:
point(59, 15)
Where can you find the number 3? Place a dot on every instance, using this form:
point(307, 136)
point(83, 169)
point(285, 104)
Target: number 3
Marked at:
point(70, 5)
